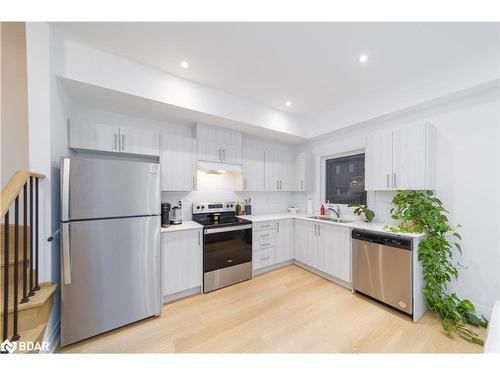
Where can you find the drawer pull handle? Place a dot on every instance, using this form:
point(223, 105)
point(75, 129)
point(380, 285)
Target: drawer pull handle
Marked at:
point(265, 244)
point(265, 226)
point(265, 235)
point(266, 258)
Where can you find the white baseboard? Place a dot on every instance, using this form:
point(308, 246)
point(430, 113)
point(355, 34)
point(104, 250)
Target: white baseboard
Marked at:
point(181, 295)
point(272, 267)
point(53, 338)
point(483, 310)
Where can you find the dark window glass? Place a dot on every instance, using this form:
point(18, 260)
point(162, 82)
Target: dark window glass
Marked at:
point(345, 180)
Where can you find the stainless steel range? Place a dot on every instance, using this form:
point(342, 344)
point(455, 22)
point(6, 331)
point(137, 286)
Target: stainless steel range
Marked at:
point(227, 244)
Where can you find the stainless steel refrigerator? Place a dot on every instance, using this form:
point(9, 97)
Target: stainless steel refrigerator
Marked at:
point(110, 245)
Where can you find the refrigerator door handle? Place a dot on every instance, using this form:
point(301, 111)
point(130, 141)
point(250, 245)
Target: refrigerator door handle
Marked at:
point(66, 261)
point(66, 163)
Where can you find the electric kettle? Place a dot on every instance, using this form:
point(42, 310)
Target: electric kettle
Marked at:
point(176, 214)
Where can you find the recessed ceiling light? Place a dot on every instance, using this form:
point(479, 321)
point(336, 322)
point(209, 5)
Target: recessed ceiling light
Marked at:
point(363, 58)
point(184, 64)
point(288, 103)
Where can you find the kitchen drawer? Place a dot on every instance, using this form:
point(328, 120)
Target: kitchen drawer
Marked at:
point(263, 242)
point(264, 235)
point(264, 257)
point(264, 225)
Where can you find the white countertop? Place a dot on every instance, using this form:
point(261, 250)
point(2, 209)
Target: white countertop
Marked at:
point(376, 227)
point(186, 225)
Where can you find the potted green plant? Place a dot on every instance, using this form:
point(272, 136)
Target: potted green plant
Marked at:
point(421, 212)
point(363, 211)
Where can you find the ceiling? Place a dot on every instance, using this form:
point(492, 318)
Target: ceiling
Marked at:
point(314, 65)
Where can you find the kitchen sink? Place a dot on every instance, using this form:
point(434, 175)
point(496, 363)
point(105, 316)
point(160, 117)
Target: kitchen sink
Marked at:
point(326, 218)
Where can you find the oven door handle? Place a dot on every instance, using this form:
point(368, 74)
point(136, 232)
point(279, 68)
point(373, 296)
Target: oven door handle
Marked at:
point(227, 229)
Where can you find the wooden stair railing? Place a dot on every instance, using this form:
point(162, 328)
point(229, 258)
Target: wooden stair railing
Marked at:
point(19, 255)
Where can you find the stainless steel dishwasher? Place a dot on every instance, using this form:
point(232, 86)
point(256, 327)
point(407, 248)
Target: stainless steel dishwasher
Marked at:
point(382, 268)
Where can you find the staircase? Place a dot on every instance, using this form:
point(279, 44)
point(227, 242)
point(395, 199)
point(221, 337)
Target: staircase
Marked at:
point(25, 304)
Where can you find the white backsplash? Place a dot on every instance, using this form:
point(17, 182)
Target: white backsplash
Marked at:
point(221, 188)
point(379, 202)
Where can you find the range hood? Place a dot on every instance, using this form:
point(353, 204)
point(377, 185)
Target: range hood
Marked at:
point(218, 168)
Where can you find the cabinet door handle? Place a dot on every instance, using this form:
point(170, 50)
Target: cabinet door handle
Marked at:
point(123, 142)
point(277, 226)
point(220, 155)
point(301, 184)
point(315, 230)
point(281, 188)
point(224, 154)
point(387, 180)
point(245, 184)
point(319, 230)
point(394, 180)
point(277, 185)
point(116, 141)
point(199, 238)
point(194, 183)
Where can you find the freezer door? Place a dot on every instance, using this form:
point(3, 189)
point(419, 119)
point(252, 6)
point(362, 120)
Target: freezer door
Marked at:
point(95, 188)
point(110, 275)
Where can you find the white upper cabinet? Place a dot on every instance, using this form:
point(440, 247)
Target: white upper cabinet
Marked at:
point(304, 167)
point(413, 158)
point(111, 138)
point(378, 161)
point(334, 251)
point(178, 163)
point(139, 141)
point(279, 171)
point(218, 144)
point(252, 177)
point(402, 159)
point(98, 137)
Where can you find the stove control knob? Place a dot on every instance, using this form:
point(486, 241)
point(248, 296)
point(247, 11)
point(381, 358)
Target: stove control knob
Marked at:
point(202, 207)
point(198, 207)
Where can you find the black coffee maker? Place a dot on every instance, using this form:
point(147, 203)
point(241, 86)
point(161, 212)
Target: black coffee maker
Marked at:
point(165, 215)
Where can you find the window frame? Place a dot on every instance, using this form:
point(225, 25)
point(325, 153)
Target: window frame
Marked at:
point(323, 172)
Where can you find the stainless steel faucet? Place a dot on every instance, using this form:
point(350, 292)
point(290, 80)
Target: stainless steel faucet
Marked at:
point(336, 211)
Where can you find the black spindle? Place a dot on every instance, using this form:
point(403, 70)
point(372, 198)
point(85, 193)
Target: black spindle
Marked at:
point(6, 278)
point(31, 292)
point(25, 244)
point(37, 286)
point(15, 335)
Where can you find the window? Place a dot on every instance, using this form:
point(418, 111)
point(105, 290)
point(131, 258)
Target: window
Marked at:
point(345, 180)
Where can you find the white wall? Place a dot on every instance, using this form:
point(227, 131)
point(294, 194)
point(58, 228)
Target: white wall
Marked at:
point(84, 64)
point(467, 181)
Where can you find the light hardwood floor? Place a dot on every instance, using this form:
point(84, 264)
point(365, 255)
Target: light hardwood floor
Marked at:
point(284, 311)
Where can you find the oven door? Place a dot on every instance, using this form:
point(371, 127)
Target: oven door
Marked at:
point(226, 247)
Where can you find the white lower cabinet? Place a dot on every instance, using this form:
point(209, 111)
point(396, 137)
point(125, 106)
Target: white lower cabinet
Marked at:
point(334, 256)
point(325, 247)
point(182, 260)
point(272, 242)
point(284, 240)
point(306, 244)
point(263, 244)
